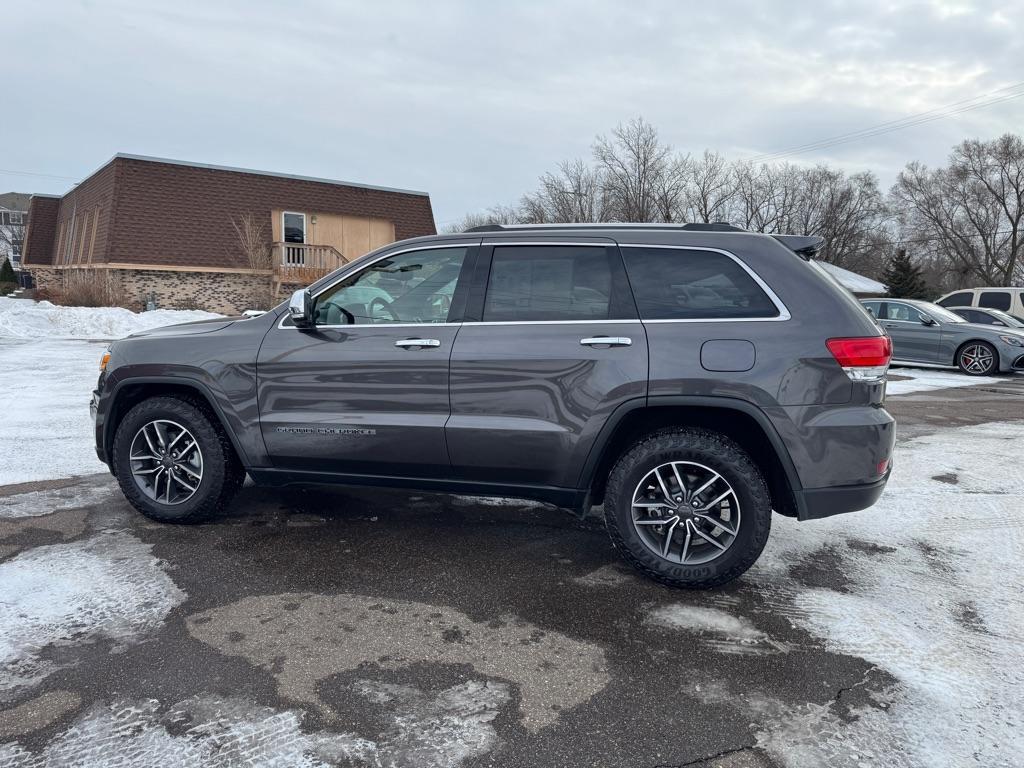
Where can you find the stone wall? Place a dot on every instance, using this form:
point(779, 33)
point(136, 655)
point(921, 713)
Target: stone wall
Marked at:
point(226, 292)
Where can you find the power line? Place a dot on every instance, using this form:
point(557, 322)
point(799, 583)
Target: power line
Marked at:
point(8, 172)
point(997, 96)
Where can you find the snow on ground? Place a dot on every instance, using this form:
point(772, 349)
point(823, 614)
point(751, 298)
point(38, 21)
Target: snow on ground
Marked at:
point(49, 370)
point(24, 319)
point(929, 379)
point(218, 732)
point(105, 587)
point(935, 598)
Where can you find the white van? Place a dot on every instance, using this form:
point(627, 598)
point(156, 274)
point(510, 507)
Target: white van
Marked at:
point(1009, 300)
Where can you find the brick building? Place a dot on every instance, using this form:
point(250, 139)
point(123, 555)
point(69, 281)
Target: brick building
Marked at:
point(224, 239)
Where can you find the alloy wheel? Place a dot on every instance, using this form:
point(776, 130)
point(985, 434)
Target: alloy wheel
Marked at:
point(686, 512)
point(166, 462)
point(977, 358)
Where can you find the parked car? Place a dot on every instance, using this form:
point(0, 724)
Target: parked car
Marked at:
point(994, 317)
point(1010, 300)
point(692, 379)
point(927, 333)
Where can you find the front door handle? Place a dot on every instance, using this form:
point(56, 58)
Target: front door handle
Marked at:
point(417, 343)
point(606, 341)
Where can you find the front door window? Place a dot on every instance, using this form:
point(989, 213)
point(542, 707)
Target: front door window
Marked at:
point(412, 287)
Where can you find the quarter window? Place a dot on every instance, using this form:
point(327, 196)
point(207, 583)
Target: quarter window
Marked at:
point(964, 299)
point(995, 300)
point(683, 284)
point(413, 287)
point(536, 283)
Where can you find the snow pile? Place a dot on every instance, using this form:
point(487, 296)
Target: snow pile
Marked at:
point(47, 433)
point(23, 319)
point(930, 379)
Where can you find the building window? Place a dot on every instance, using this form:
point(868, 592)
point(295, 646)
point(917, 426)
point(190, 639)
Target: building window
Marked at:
point(294, 227)
point(16, 217)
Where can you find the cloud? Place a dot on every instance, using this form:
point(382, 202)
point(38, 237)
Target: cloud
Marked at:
point(473, 101)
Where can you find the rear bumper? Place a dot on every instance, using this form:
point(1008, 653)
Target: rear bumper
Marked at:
point(815, 503)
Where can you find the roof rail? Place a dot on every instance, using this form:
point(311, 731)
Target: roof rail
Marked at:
point(804, 246)
point(715, 226)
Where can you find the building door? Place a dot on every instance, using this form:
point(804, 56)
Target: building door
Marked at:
point(293, 228)
point(367, 386)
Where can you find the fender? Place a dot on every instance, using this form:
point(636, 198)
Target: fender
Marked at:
point(201, 388)
point(696, 401)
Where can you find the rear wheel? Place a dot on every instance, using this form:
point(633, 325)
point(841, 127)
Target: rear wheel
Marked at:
point(173, 461)
point(977, 358)
point(688, 508)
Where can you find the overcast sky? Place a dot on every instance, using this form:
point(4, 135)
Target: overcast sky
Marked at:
point(472, 101)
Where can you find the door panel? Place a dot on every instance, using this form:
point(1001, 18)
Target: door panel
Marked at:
point(344, 400)
point(911, 339)
point(529, 400)
point(528, 396)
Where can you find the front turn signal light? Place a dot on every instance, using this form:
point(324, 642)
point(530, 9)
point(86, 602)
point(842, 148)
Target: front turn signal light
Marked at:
point(104, 360)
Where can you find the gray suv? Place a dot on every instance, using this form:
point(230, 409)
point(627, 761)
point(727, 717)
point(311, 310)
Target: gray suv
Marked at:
point(690, 378)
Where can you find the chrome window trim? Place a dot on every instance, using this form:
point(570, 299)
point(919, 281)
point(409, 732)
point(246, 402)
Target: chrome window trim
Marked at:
point(783, 315)
point(552, 322)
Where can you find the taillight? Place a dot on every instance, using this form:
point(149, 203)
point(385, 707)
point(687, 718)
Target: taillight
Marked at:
point(864, 358)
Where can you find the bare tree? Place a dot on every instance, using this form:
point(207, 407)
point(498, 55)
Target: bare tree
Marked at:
point(710, 183)
point(969, 214)
point(633, 164)
point(572, 194)
point(499, 214)
point(253, 240)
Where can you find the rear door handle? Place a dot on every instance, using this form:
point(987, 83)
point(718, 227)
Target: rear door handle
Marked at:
point(417, 343)
point(606, 341)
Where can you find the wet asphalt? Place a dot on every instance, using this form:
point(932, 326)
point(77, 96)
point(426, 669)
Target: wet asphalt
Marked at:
point(299, 596)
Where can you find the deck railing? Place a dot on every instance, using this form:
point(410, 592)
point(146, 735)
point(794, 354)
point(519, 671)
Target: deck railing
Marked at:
point(304, 263)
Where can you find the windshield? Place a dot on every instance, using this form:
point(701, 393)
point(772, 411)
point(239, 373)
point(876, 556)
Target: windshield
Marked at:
point(940, 313)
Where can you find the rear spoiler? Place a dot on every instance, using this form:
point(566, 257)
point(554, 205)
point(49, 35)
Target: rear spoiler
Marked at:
point(804, 246)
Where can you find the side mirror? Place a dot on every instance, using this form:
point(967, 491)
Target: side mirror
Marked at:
point(926, 320)
point(300, 308)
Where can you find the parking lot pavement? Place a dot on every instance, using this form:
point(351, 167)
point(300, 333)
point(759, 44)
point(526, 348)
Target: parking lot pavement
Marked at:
point(370, 627)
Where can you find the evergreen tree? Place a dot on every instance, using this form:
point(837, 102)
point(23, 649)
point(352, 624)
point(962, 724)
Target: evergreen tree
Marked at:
point(7, 272)
point(904, 278)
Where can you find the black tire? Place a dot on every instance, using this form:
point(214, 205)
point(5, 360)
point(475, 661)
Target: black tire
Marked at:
point(964, 359)
point(222, 474)
point(716, 452)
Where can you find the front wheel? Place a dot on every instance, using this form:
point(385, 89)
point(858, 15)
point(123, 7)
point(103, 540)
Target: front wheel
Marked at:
point(688, 508)
point(173, 461)
point(977, 358)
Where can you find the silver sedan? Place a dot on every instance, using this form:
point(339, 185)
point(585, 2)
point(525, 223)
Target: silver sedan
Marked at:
point(923, 332)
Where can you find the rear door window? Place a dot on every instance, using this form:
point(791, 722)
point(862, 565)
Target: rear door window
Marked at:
point(688, 284)
point(995, 300)
point(551, 283)
point(901, 312)
point(963, 299)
